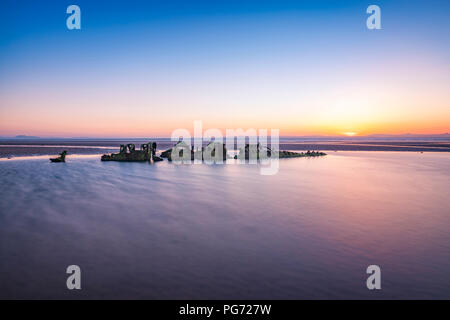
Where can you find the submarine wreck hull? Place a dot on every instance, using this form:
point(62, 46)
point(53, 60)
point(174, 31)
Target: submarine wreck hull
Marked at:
point(257, 152)
point(127, 157)
point(128, 153)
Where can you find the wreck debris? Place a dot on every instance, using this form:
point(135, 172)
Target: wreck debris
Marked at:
point(254, 152)
point(182, 151)
point(61, 158)
point(212, 152)
point(128, 153)
point(289, 154)
point(257, 152)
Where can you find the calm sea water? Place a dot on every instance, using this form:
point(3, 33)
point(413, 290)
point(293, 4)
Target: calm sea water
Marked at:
point(225, 231)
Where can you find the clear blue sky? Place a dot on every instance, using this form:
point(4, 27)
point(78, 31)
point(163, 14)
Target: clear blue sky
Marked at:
point(306, 67)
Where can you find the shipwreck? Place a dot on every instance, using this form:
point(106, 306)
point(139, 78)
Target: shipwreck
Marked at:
point(129, 153)
point(259, 152)
point(212, 152)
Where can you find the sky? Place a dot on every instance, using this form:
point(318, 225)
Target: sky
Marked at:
point(146, 68)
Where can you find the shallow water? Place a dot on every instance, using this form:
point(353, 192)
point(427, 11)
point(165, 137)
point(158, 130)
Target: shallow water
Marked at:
point(224, 231)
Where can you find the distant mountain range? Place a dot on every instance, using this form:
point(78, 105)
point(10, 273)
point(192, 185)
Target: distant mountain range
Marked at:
point(22, 136)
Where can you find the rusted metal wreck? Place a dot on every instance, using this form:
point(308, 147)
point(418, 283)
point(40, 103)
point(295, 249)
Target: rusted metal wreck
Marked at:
point(129, 153)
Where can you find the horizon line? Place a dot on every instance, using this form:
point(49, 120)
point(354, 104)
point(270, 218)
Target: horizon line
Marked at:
point(379, 135)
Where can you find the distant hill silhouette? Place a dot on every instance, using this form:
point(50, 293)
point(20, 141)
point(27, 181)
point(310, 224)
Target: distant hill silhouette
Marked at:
point(22, 136)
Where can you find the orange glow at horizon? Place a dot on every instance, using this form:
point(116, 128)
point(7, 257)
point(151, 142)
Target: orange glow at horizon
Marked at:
point(375, 105)
point(151, 127)
point(303, 77)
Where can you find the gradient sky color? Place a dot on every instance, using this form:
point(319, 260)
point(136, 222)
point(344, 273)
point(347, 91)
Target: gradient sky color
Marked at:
point(145, 68)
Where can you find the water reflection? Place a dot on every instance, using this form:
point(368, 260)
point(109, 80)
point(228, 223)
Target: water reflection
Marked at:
point(224, 231)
